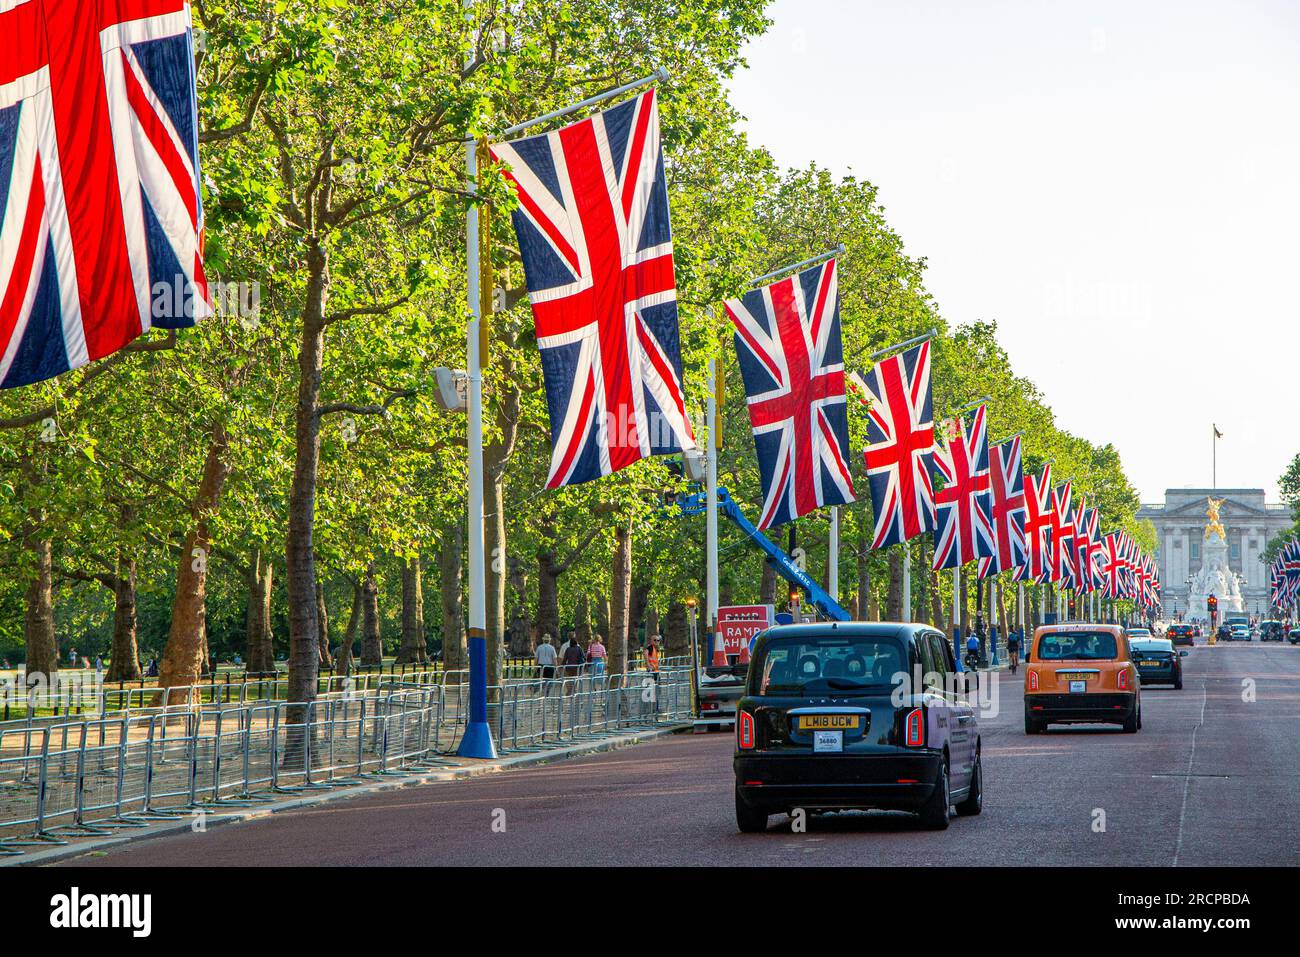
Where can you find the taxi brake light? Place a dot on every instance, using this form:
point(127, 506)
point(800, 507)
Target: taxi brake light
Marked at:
point(1033, 680)
point(1123, 680)
point(915, 729)
point(745, 730)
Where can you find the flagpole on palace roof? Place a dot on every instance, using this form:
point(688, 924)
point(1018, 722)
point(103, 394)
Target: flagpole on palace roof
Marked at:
point(658, 76)
point(794, 267)
point(476, 742)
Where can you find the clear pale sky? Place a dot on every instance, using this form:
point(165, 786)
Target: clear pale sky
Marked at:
point(1117, 184)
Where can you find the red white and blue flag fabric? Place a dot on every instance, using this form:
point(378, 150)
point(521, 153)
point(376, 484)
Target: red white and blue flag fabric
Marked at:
point(1062, 537)
point(596, 243)
point(1009, 508)
point(964, 506)
point(1092, 551)
point(792, 362)
point(1112, 566)
point(1038, 523)
point(100, 214)
point(900, 445)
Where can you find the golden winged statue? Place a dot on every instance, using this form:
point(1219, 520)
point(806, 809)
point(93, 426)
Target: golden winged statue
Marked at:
point(1212, 513)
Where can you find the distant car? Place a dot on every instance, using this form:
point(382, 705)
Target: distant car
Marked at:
point(1181, 634)
point(830, 720)
point(1239, 633)
point(1294, 636)
point(1081, 674)
point(1138, 632)
point(1158, 661)
point(1271, 630)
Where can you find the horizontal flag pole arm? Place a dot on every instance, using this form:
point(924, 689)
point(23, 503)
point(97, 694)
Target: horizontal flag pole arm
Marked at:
point(811, 261)
point(1013, 435)
point(659, 75)
point(915, 341)
point(973, 405)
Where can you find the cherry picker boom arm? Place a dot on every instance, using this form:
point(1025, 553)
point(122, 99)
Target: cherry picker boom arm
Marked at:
point(783, 563)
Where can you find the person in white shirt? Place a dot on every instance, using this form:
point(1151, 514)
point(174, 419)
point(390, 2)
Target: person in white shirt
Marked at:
point(546, 658)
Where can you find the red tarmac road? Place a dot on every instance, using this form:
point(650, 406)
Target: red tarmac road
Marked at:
point(1213, 778)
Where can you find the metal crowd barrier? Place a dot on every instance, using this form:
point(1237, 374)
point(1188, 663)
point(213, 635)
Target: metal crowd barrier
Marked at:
point(122, 768)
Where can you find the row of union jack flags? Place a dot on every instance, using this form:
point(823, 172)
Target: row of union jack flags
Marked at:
point(975, 499)
point(1284, 574)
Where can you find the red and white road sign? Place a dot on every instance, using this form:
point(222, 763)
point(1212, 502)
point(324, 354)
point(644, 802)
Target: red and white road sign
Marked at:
point(738, 624)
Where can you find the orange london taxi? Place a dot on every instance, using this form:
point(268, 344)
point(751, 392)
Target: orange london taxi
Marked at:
point(1079, 673)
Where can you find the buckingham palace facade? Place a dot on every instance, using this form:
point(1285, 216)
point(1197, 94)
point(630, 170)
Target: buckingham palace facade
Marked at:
point(1180, 531)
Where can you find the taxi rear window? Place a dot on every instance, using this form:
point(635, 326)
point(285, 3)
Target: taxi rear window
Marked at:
point(804, 666)
point(1078, 646)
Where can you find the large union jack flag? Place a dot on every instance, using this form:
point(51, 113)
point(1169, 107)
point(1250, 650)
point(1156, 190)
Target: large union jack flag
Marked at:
point(100, 215)
point(964, 506)
point(1038, 523)
point(1009, 508)
point(900, 445)
point(792, 362)
point(597, 247)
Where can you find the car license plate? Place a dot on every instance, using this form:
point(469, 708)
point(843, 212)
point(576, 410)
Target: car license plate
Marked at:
point(1149, 662)
point(1076, 675)
point(824, 741)
point(1078, 687)
point(827, 722)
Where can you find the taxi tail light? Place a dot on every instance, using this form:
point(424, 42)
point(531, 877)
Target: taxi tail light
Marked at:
point(1123, 680)
point(745, 730)
point(914, 729)
point(1033, 680)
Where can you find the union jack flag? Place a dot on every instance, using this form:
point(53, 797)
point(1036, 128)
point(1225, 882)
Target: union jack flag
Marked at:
point(1038, 523)
point(1062, 536)
point(900, 445)
point(100, 214)
point(596, 243)
point(792, 361)
point(1091, 549)
point(1113, 564)
point(1009, 508)
point(964, 506)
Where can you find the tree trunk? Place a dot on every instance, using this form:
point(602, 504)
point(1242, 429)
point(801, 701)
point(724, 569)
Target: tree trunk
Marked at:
point(124, 658)
point(260, 650)
point(323, 624)
point(622, 594)
point(412, 650)
point(640, 601)
point(766, 586)
point(521, 639)
point(495, 552)
point(183, 656)
point(894, 600)
point(372, 646)
point(300, 555)
point(864, 573)
point(677, 632)
point(548, 601)
point(936, 604)
point(453, 618)
point(350, 633)
point(38, 629)
point(651, 622)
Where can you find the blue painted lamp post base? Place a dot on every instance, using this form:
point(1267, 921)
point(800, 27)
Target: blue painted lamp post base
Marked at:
point(477, 742)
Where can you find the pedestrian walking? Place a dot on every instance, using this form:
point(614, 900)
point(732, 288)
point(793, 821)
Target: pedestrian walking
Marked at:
point(546, 659)
point(573, 659)
point(596, 654)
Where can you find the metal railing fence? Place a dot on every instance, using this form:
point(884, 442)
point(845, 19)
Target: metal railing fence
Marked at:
point(129, 765)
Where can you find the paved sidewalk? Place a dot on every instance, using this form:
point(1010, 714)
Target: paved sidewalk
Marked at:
point(452, 769)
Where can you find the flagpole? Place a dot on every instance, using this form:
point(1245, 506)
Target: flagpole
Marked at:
point(476, 742)
point(810, 261)
point(956, 611)
point(907, 581)
point(660, 75)
point(833, 560)
point(711, 512)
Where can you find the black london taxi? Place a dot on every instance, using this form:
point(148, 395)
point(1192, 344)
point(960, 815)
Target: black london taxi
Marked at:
point(855, 715)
